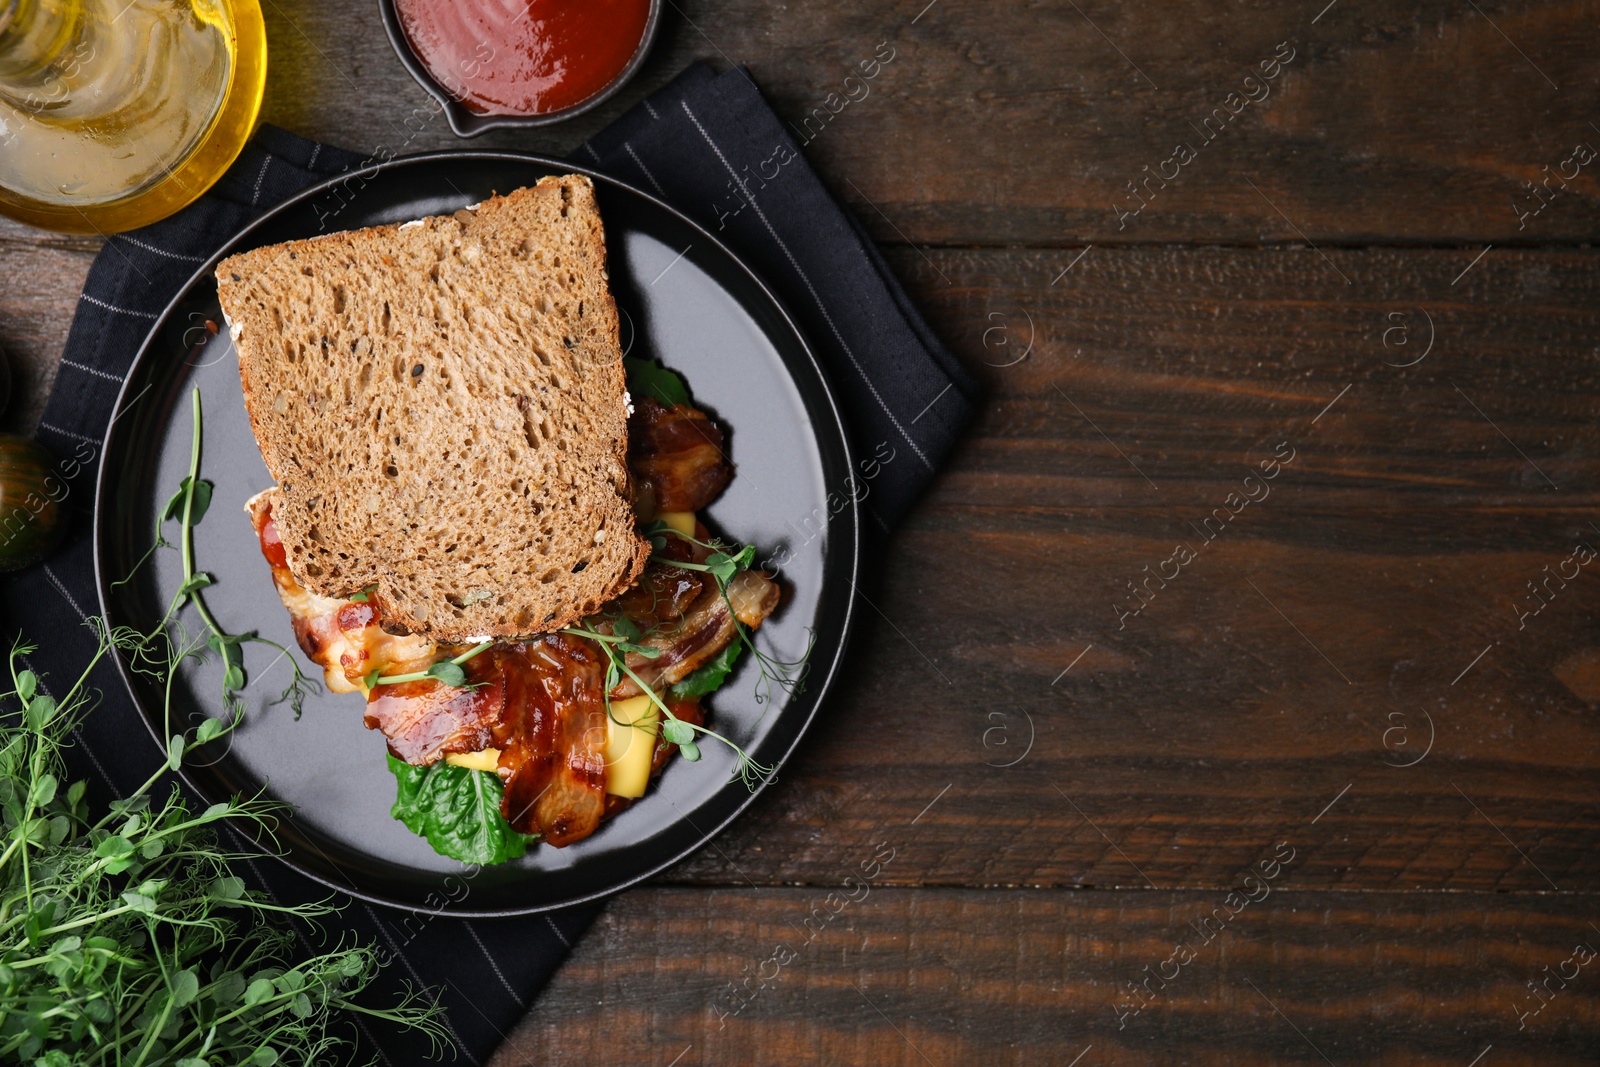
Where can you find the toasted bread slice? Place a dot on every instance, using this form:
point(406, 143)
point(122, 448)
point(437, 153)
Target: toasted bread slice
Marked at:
point(444, 408)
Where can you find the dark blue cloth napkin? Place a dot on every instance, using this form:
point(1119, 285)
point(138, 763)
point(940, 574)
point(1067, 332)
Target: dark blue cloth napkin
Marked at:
point(706, 144)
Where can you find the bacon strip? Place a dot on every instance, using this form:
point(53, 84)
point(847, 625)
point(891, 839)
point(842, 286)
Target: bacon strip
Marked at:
point(554, 738)
point(344, 637)
point(703, 631)
point(675, 454)
point(426, 720)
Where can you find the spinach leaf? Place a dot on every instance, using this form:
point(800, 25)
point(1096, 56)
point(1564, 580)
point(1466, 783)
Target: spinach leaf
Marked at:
point(649, 378)
point(710, 676)
point(457, 810)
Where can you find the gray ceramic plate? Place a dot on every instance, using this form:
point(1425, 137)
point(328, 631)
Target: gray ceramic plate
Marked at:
point(687, 301)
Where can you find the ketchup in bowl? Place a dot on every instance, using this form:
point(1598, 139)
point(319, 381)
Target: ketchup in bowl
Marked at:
point(523, 57)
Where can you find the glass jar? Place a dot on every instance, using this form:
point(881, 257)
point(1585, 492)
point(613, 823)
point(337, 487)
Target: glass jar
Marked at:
point(116, 113)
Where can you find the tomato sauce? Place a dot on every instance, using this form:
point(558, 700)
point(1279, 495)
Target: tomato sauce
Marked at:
point(523, 57)
point(271, 543)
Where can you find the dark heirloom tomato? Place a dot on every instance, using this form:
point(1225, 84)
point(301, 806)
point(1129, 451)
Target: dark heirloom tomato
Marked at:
point(31, 517)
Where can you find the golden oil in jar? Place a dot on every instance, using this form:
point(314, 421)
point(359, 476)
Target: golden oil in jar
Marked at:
point(116, 113)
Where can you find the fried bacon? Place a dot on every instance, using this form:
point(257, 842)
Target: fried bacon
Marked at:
point(702, 631)
point(427, 720)
point(675, 454)
point(345, 637)
point(554, 740)
point(540, 702)
point(685, 615)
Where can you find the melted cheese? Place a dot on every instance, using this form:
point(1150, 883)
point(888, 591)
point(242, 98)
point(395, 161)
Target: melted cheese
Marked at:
point(347, 656)
point(681, 521)
point(487, 760)
point(630, 745)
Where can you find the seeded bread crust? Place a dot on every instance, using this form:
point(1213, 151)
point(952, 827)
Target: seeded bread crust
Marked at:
point(443, 406)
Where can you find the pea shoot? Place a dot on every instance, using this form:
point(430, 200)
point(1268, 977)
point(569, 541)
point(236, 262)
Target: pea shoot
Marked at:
point(448, 671)
point(674, 730)
point(723, 563)
point(126, 937)
point(188, 506)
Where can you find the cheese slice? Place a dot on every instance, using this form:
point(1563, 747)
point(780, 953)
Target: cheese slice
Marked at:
point(487, 760)
point(681, 521)
point(630, 745)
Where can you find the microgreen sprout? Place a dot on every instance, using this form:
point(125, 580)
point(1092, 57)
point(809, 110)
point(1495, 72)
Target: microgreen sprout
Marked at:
point(723, 563)
point(448, 671)
point(188, 506)
point(127, 938)
point(674, 730)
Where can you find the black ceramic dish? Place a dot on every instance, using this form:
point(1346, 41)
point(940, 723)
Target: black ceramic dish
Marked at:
point(468, 123)
point(685, 300)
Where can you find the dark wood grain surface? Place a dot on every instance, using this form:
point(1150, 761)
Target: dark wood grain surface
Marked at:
point(1111, 670)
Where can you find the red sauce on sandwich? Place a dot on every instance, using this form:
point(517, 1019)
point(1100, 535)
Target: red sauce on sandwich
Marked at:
point(272, 544)
point(523, 57)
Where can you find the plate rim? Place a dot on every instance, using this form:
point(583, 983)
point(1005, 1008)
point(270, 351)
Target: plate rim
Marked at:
point(850, 543)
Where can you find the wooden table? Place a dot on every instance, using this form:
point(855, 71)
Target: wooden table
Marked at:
point(1157, 758)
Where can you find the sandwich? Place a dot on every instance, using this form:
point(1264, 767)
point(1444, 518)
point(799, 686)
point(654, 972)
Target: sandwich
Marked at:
point(485, 519)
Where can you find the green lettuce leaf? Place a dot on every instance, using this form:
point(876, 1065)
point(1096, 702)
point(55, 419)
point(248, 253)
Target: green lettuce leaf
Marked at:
point(649, 378)
point(708, 678)
point(457, 810)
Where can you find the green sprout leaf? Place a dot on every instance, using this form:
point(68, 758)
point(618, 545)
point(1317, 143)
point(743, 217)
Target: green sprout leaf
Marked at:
point(197, 510)
point(227, 888)
point(41, 709)
point(648, 378)
point(114, 848)
point(448, 672)
point(185, 987)
point(43, 791)
point(198, 581)
point(231, 648)
point(677, 732)
point(140, 902)
point(722, 566)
